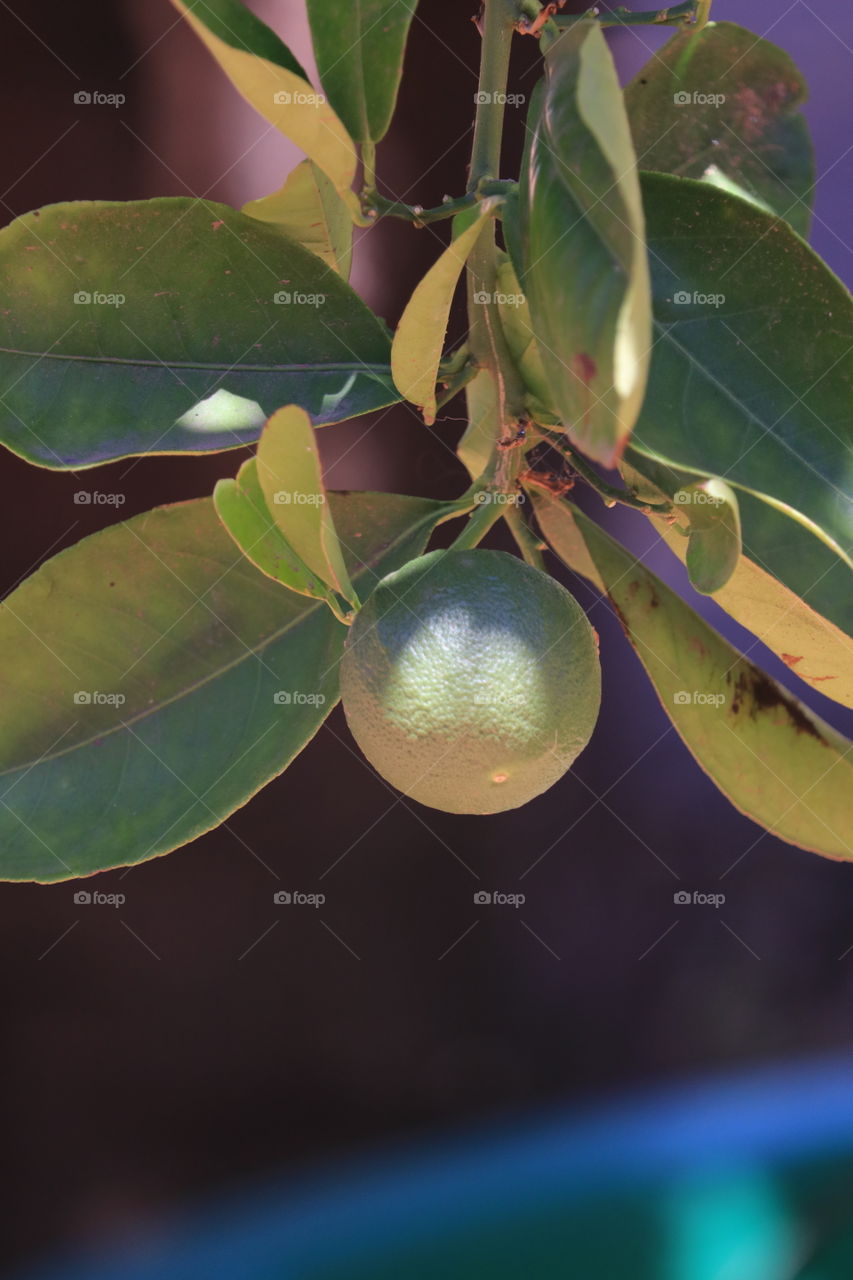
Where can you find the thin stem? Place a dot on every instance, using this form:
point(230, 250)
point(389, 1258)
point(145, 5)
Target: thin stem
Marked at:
point(498, 26)
point(377, 206)
point(368, 166)
point(675, 15)
point(526, 541)
point(488, 512)
point(703, 14)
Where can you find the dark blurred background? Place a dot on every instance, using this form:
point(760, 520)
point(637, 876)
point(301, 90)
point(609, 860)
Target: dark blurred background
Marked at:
point(199, 1036)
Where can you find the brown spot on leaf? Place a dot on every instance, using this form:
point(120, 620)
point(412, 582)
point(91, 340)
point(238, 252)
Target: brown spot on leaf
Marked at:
point(214, 226)
point(584, 367)
point(791, 658)
point(756, 692)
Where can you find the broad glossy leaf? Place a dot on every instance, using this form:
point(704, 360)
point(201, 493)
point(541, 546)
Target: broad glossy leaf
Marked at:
point(418, 342)
point(242, 508)
point(291, 480)
point(752, 372)
point(581, 240)
point(723, 102)
point(774, 759)
point(711, 511)
point(310, 210)
point(165, 612)
point(359, 46)
point(275, 86)
point(812, 646)
point(193, 353)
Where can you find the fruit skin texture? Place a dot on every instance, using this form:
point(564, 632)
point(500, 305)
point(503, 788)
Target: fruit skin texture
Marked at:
point(471, 681)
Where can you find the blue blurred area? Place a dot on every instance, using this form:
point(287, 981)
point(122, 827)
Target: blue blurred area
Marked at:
point(749, 1178)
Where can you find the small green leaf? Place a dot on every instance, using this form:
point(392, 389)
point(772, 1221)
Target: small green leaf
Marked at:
point(723, 105)
point(773, 758)
point(310, 210)
point(815, 649)
point(478, 440)
point(359, 46)
point(416, 349)
point(710, 509)
point(580, 239)
point(518, 330)
point(224, 677)
point(171, 326)
point(753, 359)
point(275, 86)
point(242, 508)
point(291, 480)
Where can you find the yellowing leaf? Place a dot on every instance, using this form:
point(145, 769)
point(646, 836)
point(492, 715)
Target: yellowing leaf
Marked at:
point(309, 209)
point(282, 97)
point(418, 342)
point(291, 481)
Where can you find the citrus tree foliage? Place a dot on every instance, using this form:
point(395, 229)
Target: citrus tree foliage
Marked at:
point(641, 299)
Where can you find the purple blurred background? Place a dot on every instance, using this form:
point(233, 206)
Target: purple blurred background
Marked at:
point(200, 1036)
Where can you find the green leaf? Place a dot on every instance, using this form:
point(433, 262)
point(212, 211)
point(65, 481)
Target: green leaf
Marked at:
point(518, 330)
point(359, 46)
point(581, 243)
point(773, 758)
point(198, 353)
point(724, 105)
point(165, 612)
point(753, 361)
point(291, 480)
point(482, 401)
point(555, 519)
point(418, 342)
point(276, 86)
point(242, 508)
point(819, 652)
point(309, 209)
point(710, 508)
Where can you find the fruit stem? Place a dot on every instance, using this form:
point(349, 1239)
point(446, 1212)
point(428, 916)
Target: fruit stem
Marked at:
point(488, 513)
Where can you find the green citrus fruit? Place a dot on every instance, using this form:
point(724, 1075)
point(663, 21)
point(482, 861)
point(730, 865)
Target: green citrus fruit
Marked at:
point(471, 681)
